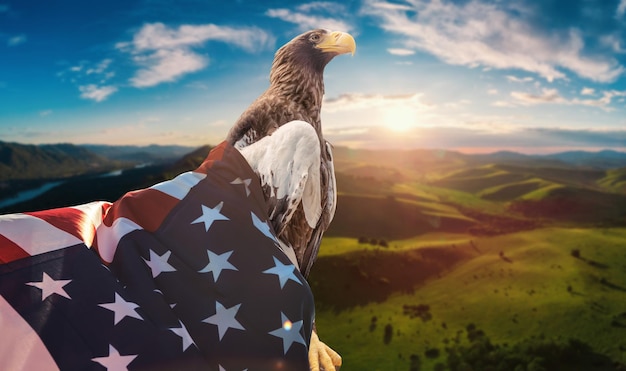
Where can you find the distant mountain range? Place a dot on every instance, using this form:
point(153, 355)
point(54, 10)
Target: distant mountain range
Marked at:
point(431, 189)
point(139, 154)
point(606, 159)
point(20, 161)
point(23, 161)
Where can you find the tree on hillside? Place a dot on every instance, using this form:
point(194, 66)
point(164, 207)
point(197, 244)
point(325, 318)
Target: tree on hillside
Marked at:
point(388, 334)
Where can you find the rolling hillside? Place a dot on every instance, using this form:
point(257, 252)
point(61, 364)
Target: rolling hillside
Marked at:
point(414, 305)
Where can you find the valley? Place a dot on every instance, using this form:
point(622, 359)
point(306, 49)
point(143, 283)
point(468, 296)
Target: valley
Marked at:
point(438, 260)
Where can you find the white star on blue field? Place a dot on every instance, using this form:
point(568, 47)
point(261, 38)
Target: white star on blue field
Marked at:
point(218, 263)
point(210, 215)
point(471, 75)
point(159, 263)
point(283, 272)
point(224, 319)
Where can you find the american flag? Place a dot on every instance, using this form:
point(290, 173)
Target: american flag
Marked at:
point(184, 275)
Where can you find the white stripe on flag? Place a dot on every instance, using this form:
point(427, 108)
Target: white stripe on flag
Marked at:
point(180, 186)
point(33, 235)
point(109, 237)
point(21, 348)
point(93, 211)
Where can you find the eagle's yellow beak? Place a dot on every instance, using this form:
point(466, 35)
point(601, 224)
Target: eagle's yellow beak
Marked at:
point(338, 42)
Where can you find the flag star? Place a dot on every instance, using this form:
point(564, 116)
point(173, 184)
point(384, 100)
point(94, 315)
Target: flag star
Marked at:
point(224, 319)
point(284, 272)
point(217, 263)
point(122, 308)
point(262, 226)
point(115, 361)
point(289, 332)
point(184, 335)
point(158, 263)
point(245, 182)
point(209, 215)
point(49, 286)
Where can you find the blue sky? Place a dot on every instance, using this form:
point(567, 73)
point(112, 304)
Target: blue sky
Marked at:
point(480, 75)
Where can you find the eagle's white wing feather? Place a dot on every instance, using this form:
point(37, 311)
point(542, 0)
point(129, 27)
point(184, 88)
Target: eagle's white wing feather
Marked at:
point(332, 183)
point(288, 163)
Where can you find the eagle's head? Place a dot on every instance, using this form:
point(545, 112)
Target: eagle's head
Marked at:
point(310, 52)
point(296, 86)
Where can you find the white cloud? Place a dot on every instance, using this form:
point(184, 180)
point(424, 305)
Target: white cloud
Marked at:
point(306, 21)
point(166, 65)
point(17, 40)
point(165, 54)
point(320, 5)
point(621, 8)
point(157, 36)
point(587, 91)
point(357, 101)
point(546, 96)
point(389, 6)
point(503, 103)
point(482, 34)
point(552, 96)
point(614, 42)
point(45, 113)
point(492, 91)
point(518, 79)
point(99, 68)
point(604, 101)
point(96, 93)
point(401, 52)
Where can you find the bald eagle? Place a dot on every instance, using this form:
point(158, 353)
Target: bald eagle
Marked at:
point(280, 135)
point(296, 172)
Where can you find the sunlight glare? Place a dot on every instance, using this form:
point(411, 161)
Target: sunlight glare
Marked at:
point(399, 118)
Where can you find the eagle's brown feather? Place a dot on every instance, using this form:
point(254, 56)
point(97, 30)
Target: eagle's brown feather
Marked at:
point(295, 93)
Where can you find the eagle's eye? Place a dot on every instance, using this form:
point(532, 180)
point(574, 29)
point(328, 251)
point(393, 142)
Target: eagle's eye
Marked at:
point(315, 37)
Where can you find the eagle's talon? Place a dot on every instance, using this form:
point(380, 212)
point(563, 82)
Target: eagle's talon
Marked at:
point(322, 357)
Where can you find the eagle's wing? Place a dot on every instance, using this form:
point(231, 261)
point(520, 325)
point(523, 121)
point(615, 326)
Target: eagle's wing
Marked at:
point(328, 185)
point(288, 164)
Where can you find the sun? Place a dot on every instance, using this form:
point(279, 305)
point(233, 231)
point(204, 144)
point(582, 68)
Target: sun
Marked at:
point(399, 118)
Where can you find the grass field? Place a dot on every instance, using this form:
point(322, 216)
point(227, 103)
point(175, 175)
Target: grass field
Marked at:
point(513, 287)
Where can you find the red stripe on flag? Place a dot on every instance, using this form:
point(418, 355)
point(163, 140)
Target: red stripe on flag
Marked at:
point(147, 207)
point(216, 154)
point(69, 220)
point(9, 251)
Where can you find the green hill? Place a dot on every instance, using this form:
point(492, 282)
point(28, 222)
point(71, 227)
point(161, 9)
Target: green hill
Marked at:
point(389, 309)
point(393, 218)
point(575, 205)
point(615, 180)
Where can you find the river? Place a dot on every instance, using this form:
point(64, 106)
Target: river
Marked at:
point(29, 193)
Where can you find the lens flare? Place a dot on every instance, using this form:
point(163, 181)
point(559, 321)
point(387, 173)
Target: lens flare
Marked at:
point(287, 325)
